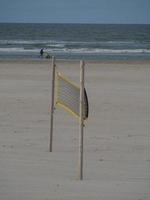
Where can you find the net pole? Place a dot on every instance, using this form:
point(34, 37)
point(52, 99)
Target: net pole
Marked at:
point(52, 104)
point(81, 120)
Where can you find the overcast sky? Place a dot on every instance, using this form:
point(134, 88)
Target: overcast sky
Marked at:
point(75, 11)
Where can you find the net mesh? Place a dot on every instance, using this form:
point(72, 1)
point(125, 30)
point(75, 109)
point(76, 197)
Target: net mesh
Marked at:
point(68, 96)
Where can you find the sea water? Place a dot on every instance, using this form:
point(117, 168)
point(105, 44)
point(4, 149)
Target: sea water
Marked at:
point(75, 41)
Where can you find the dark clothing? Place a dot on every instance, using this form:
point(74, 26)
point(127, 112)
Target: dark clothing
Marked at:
point(41, 52)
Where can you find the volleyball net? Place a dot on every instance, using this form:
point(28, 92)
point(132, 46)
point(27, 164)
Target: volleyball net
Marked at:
point(68, 96)
point(73, 98)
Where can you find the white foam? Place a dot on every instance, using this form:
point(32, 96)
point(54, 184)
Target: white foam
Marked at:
point(56, 45)
point(15, 42)
point(15, 49)
point(101, 51)
point(78, 50)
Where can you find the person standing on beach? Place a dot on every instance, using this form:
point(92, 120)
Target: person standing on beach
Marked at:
point(41, 52)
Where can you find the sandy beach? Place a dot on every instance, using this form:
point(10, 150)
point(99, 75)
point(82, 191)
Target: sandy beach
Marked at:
point(116, 137)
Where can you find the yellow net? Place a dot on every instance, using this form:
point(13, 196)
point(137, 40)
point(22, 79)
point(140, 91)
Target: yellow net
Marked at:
point(68, 96)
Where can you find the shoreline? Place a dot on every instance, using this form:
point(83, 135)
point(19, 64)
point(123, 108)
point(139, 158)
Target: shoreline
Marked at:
point(74, 61)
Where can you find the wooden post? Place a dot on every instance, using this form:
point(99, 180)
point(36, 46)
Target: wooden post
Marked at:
point(81, 120)
point(52, 103)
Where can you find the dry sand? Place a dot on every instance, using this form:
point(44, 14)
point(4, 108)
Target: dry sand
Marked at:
point(116, 142)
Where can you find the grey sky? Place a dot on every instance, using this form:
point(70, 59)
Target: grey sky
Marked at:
point(75, 11)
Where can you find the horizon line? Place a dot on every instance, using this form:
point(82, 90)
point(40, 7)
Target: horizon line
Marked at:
point(88, 23)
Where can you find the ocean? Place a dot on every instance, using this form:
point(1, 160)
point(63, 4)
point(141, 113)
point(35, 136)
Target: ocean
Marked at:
point(75, 41)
